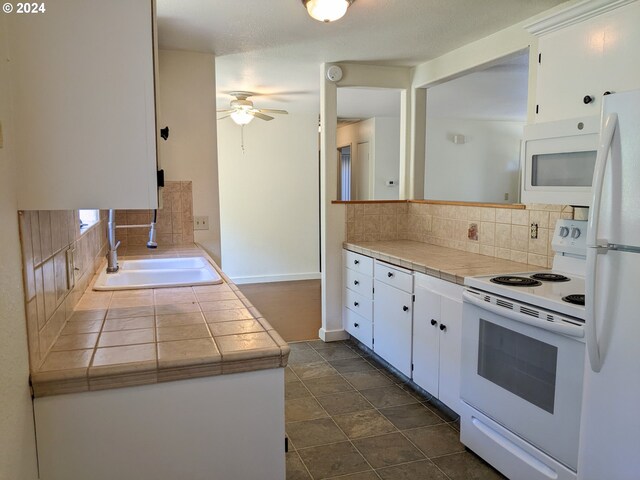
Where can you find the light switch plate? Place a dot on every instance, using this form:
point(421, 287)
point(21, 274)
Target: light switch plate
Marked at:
point(201, 223)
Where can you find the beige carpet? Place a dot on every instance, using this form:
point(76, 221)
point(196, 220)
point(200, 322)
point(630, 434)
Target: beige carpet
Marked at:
point(292, 308)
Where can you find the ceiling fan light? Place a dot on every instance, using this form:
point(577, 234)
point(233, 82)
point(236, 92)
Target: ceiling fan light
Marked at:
point(241, 117)
point(327, 10)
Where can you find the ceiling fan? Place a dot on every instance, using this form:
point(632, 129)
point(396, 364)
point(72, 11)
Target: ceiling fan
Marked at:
point(242, 110)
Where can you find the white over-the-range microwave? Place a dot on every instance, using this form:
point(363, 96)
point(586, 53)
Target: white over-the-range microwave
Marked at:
point(558, 159)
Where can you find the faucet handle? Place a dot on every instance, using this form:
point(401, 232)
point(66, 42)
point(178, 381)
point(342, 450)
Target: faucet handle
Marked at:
point(117, 245)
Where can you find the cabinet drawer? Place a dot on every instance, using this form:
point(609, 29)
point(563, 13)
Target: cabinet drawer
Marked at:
point(359, 263)
point(395, 276)
point(358, 282)
point(358, 304)
point(359, 327)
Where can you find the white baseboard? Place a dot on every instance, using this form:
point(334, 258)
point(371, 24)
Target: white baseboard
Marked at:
point(277, 278)
point(332, 335)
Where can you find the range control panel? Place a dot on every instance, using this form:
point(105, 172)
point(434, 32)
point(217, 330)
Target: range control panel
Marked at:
point(570, 236)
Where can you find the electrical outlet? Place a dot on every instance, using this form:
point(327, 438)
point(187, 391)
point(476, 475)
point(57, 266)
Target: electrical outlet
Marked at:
point(201, 223)
point(534, 230)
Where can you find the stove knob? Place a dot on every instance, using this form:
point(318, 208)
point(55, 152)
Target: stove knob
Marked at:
point(575, 233)
point(564, 232)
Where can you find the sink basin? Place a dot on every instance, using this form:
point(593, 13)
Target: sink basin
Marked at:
point(159, 272)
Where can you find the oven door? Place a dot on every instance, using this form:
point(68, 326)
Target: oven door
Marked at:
point(527, 379)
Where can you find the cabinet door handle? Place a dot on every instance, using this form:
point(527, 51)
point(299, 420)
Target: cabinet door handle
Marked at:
point(405, 308)
point(443, 327)
point(356, 325)
point(433, 322)
point(356, 262)
point(355, 304)
point(389, 274)
point(356, 282)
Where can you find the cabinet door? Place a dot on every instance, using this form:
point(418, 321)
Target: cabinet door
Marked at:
point(450, 349)
point(84, 103)
point(568, 71)
point(588, 58)
point(392, 315)
point(426, 320)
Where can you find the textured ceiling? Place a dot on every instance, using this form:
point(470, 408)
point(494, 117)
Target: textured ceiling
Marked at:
point(274, 46)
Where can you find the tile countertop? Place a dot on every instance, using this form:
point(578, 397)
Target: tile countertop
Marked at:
point(136, 337)
point(445, 263)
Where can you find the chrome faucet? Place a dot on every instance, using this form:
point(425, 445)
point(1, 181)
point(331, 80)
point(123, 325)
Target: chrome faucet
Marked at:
point(112, 253)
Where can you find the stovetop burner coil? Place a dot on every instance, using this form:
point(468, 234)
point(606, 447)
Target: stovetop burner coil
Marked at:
point(550, 277)
point(576, 299)
point(514, 281)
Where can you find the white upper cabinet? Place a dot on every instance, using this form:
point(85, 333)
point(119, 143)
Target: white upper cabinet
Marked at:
point(587, 58)
point(84, 105)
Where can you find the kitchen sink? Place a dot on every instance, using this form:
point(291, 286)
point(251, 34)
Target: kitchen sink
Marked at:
point(159, 272)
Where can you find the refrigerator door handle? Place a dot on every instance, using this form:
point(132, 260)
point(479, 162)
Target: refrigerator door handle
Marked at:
point(606, 139)
point(598, 246)
point(590, 324)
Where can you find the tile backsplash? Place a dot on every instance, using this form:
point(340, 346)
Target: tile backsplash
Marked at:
point(174, 224)
point(497, 232)
point(50, 295)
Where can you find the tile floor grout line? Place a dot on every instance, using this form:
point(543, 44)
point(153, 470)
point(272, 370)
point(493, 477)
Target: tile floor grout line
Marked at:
point(416, 446)
point(397, 430)
point(339, 428)
point(287, 435)
point(395, 381)
point(426, 457)
point(346, 436)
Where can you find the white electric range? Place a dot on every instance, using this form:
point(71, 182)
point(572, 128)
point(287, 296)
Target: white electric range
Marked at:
point(523, 355)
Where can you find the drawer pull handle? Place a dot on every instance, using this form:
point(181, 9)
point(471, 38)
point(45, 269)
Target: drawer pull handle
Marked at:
point(355, 304)
point(356, 262)
point(443, 327)
point(356, 282)
point(389, 274)
point(356, 325)
point(433, 322)
point(405, 308)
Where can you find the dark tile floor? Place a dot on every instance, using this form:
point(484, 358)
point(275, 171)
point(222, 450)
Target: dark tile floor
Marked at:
point(349, 418)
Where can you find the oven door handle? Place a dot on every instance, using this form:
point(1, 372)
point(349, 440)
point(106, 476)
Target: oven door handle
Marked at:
point(563, 328)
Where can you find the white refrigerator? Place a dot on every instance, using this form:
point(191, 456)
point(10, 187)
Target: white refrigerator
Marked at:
point(610, 425)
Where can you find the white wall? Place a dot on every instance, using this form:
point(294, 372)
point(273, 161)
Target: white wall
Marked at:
point(355, 134)
point(387, 158)
point(332, 216)
point(17, 439)
point(383, 135)
point(187, 106)
point(269, 213)
point(482, 169)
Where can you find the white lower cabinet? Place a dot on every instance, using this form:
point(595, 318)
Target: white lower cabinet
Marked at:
point(221, 427)
point(357, 296)
point(411, 320)
point(392, 313)
point(437, 322)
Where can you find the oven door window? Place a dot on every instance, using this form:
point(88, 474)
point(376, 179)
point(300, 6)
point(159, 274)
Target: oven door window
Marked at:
point(520, 364)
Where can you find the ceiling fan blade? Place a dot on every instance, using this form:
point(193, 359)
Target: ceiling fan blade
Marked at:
point(224, 116)
point(269, 110)
point(228, 110)
point(261, 116)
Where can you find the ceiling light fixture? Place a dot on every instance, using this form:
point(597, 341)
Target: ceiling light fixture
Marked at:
point(327, 10)
point(241, 117)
